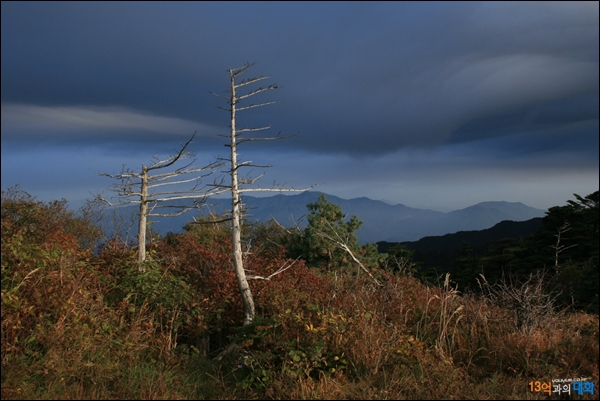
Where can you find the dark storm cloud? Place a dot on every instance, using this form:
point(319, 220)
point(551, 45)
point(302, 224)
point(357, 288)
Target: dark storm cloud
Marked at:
point(358, 78)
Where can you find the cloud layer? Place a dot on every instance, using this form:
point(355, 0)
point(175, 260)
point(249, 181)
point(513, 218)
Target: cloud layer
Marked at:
point(466, 86)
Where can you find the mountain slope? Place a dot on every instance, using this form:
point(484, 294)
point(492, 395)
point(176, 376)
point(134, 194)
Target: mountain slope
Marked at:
point(381, 221)
point(504, 229)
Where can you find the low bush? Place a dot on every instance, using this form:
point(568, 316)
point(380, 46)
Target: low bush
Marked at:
point(83, 323)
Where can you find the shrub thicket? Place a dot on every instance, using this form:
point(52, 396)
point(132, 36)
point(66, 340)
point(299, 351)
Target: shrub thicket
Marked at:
point(82, 322)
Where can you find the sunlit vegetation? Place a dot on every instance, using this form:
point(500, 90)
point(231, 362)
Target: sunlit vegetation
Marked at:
point(81, 321)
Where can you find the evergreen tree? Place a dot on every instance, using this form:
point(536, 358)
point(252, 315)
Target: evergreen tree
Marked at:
point(328, 227)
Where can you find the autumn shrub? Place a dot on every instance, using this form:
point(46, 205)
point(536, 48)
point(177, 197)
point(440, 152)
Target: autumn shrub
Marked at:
point(42, 266)
point(53, 315)
point(207, 269)
point(315, 328)
point(488, 343)
point(65, 331)
point(20, 211)
point(354, 338)
point(81, 324)
point(214, 303)
point(209, 229)
point(565, 347)
point(280, 344)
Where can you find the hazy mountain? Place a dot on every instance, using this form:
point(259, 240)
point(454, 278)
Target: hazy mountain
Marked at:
point(381, 221)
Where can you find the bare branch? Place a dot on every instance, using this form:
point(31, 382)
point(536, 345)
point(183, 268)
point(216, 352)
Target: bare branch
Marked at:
point(170, 161)
point(174, 182)
point(210, 221)
point(188, 171)
point(234, 72)
point(248, 130)
point(258, 105)
point(558, 249)
point(297, 228)
point(343, 244)
point(529, 300)
point(283, 268)
point(109, 203)
point(248, 163)
point(249, 181)
point(184, 209)
point(221, 96)
point(276, 189)
point(128, 193)
point(257, 91)
point(250, 81)
point(274, 138)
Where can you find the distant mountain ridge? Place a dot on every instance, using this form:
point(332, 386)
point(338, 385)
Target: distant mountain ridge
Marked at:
point(381, 221)
point(447, 242)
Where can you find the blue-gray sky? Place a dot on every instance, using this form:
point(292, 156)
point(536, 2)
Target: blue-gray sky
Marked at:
point(433, 105)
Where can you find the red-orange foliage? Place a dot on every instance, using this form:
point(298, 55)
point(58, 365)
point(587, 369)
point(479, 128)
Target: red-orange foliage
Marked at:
point(45, 280)
point(76, 324)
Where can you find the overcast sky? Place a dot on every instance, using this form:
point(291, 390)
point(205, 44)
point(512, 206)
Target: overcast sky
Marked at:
point(432, 105)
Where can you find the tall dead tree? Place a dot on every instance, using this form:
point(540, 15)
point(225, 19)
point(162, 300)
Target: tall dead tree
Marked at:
point(240, 185)
point(141, 188)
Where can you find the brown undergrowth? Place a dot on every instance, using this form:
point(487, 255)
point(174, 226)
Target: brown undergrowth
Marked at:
point(83, 325)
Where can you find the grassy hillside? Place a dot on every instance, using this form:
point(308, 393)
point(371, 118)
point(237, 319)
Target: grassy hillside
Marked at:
point(82, 322)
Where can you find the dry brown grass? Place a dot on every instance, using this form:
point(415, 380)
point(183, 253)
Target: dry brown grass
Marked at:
point(71, 329)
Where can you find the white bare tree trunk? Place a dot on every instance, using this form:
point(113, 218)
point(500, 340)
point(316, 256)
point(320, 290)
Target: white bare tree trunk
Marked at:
point(236, 138)
point(143, 219)
point(236, 214)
